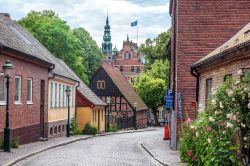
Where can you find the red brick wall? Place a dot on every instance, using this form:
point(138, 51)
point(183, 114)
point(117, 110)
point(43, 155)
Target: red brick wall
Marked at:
point(25, 119)
point(202, 26)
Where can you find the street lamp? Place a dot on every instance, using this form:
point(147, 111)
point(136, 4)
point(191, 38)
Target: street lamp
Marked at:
point(7, 67)
point(68, 92)
point(109, 108)
point(135, 123)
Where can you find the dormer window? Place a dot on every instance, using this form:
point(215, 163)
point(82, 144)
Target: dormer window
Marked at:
point(127, 55)
point(100, 84)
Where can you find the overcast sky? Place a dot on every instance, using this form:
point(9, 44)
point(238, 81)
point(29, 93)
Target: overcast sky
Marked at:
point(152, 15)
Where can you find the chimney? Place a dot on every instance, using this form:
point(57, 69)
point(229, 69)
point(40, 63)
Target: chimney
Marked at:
point(5, 15)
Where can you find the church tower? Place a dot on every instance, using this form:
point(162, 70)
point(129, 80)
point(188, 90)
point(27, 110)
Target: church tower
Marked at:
point(106, 44)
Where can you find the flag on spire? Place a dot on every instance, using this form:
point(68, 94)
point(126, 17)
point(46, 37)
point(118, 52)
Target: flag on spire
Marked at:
point(133, 24)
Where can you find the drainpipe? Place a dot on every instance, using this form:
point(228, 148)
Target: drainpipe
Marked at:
point(197, 76)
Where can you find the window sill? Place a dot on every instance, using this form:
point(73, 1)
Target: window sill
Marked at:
point(17, 103)
point(29, 103)
point(2, 104)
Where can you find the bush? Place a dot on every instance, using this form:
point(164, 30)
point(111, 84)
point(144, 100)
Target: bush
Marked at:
point(14, 143)
point(1, 143)
point(73, 125)
point(113, 128)
point(77, 131)
point(221, 133)
point(89, 130)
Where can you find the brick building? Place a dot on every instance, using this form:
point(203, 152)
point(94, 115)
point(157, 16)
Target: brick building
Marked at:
point(128, 60)
point(28, 84)
point(198, 27)
point(108, 81)
point(232, 59)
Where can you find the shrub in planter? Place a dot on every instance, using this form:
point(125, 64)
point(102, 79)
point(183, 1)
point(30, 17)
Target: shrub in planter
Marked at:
point(89, 130)
point(221, 133)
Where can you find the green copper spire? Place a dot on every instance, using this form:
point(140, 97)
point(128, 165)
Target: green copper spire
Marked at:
point(107, 44)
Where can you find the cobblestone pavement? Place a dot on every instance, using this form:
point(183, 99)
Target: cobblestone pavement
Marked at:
point(120, 149)
point(110, 150)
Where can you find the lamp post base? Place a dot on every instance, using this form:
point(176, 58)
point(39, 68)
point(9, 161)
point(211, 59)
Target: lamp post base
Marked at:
point(6, 146)
point(68, 130)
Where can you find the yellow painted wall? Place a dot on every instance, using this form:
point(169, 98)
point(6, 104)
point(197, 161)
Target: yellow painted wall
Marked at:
point(56, 113)
point(87, 115)
point(83, 116)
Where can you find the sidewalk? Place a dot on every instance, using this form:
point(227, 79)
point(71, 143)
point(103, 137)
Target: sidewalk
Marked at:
point(27, 150)
point(159, 149)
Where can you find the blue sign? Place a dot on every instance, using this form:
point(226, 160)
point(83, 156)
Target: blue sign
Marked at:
point(179, 105)
point(169, 98)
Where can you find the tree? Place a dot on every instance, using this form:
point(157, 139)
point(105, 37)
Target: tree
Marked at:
point(152, 91)
point(57, 37)
point(156, 49)
point(92, 55)
point(159, 69)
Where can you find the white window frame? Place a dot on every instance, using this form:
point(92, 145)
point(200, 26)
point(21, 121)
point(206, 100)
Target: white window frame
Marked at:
point(63, 96)
point(20, 92)
point(59, 95)
point(31, 91)
point(4, 93)
point(52, 95)
point(56, 96)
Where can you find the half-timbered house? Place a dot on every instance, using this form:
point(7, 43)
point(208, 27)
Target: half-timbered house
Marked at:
point(108, 81)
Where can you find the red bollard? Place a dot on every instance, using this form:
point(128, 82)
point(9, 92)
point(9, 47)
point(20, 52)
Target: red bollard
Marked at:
point(166, 132)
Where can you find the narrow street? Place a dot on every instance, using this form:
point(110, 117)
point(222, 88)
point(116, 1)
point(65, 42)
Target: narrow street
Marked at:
point(121, 149)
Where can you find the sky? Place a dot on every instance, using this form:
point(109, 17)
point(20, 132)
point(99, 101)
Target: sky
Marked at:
point(152, 15)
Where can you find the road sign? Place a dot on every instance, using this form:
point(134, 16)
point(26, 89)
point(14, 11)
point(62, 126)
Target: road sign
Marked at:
point(179, 105)
point(169, 98)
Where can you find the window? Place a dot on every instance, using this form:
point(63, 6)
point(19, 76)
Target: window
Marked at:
point(132, 69)
point(55, 95)
point(113, 100)
point(228, 77)
point(59, 95)
point(138, 69)
point(73, 96)
point(18, 90)
point(93, 116)
point(63, 96)
point(208, 88)
point(29, 90)
point(102, 114)
point(51, 94)
point(127, 55)
point(100, 84)
point(2, 89)
point(121, 68)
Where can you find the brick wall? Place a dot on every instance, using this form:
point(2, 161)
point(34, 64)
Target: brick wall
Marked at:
point(218, 72)
point(201, 26)
point(24, 118)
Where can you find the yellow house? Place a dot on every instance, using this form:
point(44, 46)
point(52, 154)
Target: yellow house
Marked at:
point(59, 79)
point(90, 108)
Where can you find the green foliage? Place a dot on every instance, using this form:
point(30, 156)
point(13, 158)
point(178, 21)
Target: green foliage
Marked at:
point(212, 138)
point(159, 69)
point(89, 130)
point(64, 43)
point(156, 49)
point(92, 55)
point(14, 143)
point(113, 128)
point(151, 90)
point(1, 143)
point(73, 125)
point(77, 131)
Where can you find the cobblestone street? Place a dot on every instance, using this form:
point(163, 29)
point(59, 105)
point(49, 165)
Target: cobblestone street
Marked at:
point(121, 149)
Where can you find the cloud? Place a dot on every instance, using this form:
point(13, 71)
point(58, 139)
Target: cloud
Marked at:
point(153, 17)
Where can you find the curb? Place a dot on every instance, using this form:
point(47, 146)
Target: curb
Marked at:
point(69, 142)
point(152, 155)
